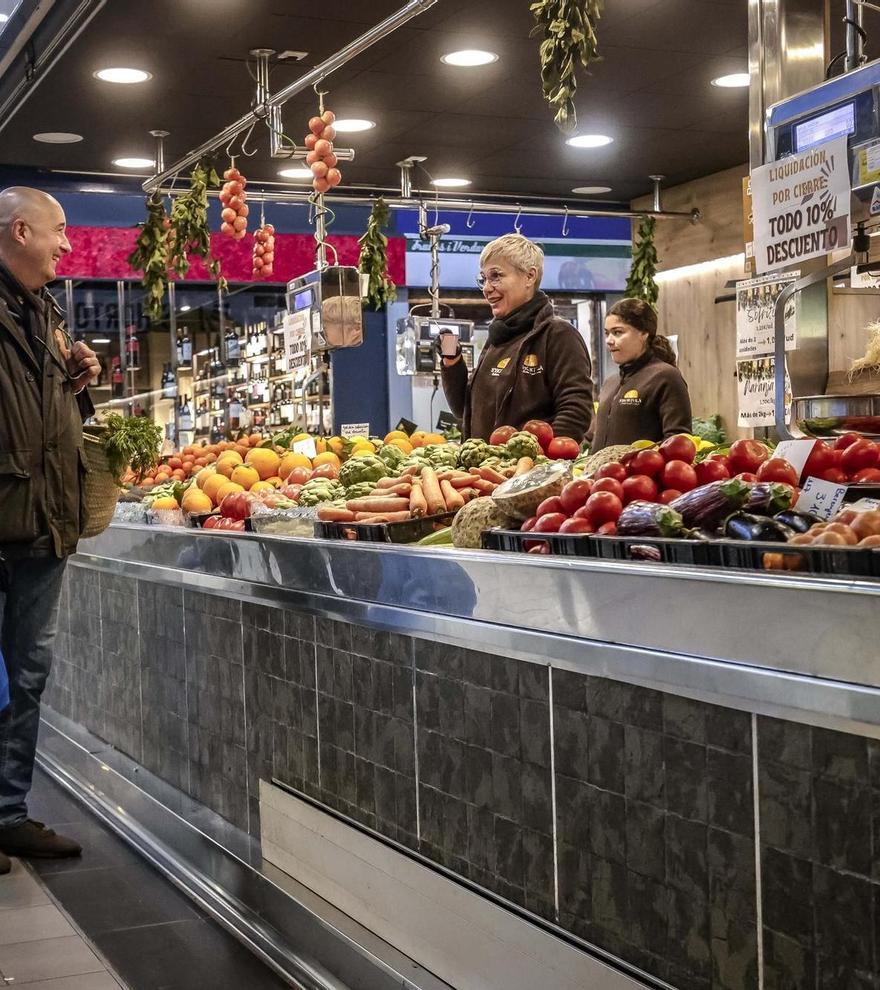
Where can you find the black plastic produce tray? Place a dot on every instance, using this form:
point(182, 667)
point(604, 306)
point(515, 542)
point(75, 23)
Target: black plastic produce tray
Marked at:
point(513, 541)
point(840, 561)
point(655, 549)
point(198, 520)
point(410, 531)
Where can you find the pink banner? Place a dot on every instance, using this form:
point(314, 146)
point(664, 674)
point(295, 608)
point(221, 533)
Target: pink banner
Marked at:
point(102, 252)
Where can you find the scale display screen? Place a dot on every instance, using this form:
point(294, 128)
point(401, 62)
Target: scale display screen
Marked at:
point(302, 299)
point(835, 123)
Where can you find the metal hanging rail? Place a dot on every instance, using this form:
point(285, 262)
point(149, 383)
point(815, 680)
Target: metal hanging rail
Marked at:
point(262, 112)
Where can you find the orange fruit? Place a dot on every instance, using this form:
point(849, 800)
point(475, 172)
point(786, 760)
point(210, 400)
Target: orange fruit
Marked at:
point(255, 439)
point(225, 490)
point(196, 501)
point(162, 476)
point(178, 474)
point(264, 461)
point(434, 438)
point(210, 457)
point(320, 445)
point(328, 457)
point(203, 476)
point(262, 486)
point(242, 448)
point(290, 461)
point(403, 445)
point(214, 483)
point(228, 461)
point(396, 435)
point(419, 438)
point(245, 476)
point(166, 502)
point(275, 481)
point(174, 462)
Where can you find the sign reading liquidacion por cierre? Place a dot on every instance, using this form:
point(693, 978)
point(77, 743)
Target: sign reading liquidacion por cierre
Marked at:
point(801, 206)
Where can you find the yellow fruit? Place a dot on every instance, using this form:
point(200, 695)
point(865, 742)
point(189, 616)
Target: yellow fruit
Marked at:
point(203, 476)
point(336, 445)
point(166, 502)
point(225, 490)
point(419, 438)
point(228, 461)
point(327, 458)
point(275, 481)
point(245, 476)
point(195, 501)
point(264, 461)
point(403, 445)
point(300, 437)
point(643, 444)
point(362, 452)
point(291, 461)
point(434, 438)
point(361, 447)
point(214, 484)
point(262, 486)
point(396, 435)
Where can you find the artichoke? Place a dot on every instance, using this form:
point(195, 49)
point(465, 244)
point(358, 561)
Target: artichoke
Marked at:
point(320, 490)
point(497, 450)
point(472, 453)
point(393, 456)
point(441, 455)
point(523, 444)
point(361, 490)
point(359, 469)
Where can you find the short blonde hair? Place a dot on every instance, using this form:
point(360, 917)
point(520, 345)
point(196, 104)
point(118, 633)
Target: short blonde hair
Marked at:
point(518, 250)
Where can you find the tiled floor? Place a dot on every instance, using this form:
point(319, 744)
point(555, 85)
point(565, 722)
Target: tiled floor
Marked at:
point(152, 936)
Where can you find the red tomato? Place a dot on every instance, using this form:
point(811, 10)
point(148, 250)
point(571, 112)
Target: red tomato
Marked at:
point(679, 448)
point(562, 449)
point(602, 507)
point(778, 469)
point(576, 525)
point(627, 459)
point(528, 525)
point(746, 476)
point(679, 474)
point(613, 470)
point(747, 455)
point(609, 485)
point(211, 522)
point(541, 431)
point(237, 525)
point(237, 505)
point(847, 440)
point(670, 495)
point(647, 462)
point(720, 459)
point(324, 471)
point(607, 529)
point(299, 476)
point(575, 494)
point(640, 488)
point(820, 460)
point(539, 547)
point(550, 523)
point(867, 475)
point(835, 476)
point(552, 504)
point(290, 491)
point(860, 455)
point(712, 469)
point(502, 434)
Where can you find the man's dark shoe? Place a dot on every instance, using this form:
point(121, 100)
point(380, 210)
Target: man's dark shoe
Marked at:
point(35, 841)
point(5, 864)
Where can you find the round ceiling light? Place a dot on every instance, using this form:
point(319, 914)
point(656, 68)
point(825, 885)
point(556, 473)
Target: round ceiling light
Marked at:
point(468, 57)
point(57, 137)
point(4, 18)
point(589, 140)
point(732, 81)
point(591, 190)
point(451, 183)
point(134, 162)
point(296, 173)
point(352, 125)
point(125, 77)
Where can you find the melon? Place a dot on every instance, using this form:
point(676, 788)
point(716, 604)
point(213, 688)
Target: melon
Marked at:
point(473, 518)
point(521, 495)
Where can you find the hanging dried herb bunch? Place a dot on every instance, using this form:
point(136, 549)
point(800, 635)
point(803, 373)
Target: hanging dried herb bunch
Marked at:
point(640, 283)
point(189, 224)
point(150, 255)
point(373, 259)
point(568, 29)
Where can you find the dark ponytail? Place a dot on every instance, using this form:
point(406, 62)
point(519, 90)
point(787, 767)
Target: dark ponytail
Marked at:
point(642, 316)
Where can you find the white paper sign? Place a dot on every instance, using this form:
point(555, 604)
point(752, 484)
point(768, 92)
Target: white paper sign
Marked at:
point(306, 447)
point(863, 280)
point(756, 312)
point(796, 452)
point(801, 206)
point(355, 430)
point(756, 386)
point(865, 505)
point(297, 339)
point(820, 498)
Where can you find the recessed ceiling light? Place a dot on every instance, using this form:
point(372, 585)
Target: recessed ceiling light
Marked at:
point(57, 137)
point(350, 125)
point(469, 56)
point(185, 308)
point(296, 173)
point(591, 190)
point(123, 76)
point(134, 162)
point(100, 340)
point(589, 140)
point(451, 183)
point(732, 81)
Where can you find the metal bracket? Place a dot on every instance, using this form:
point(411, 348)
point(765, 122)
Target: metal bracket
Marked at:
point(160, 149)
point(657, 179)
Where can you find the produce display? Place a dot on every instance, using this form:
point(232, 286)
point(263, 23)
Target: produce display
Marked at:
point(233, 198)
point(320, 158)
point(264, 252)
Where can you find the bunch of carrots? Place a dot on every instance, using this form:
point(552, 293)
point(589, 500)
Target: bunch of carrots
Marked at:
point(412, 495)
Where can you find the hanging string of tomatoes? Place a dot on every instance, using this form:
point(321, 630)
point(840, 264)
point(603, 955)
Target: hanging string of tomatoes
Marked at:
point(234, 200)
point(320, 157)
point(264, 251)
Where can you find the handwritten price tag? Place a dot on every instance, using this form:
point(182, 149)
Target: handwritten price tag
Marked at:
point(821, 498)
point(306, 447)
point(796, 452)
point(355, 430)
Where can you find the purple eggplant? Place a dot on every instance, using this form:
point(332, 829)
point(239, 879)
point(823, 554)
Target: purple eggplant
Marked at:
point(745, 526)
point(767, 498)
point(649, 519)
point(709, 505)
point(800, 522)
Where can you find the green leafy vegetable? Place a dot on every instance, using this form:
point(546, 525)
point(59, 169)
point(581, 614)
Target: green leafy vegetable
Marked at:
point(131, 441)
point(151, 255)
point(709, 429)
point(373, 259)
point(190, 235)
point(640, 283)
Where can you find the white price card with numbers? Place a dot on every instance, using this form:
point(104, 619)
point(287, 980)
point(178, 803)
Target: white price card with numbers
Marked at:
point(796, 452)
point(821, 498)
point(297, 339)
point(756, 315)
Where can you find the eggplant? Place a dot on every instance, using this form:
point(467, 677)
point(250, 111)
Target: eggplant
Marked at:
point(745, 526)
point(707, 506)
point(639, 551)
point(767, 498)
point(800, 522)
point(649, 519)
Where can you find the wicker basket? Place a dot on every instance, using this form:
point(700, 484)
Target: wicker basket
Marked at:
point(101, 490)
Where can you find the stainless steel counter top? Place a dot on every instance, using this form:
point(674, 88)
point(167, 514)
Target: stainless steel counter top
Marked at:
point(763, 642)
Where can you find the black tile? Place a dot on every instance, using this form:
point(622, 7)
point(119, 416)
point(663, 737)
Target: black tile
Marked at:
point(324, 669)
point(645, 777)
point(605, 754)
point(534, 723)
point(786, 808)
point(538, 866)
point(576, 883)
point(343, 676)
point(570, 729)
point(488, 670)
point(686, 779)
point(508, 850)
point(728, 729)
point(838, 971)
point(688, 931)
point(402, 687)
point(785, 742)
point(842, 825)
point(505, 725)
point(299, 625)
point(684, 718)
point(537, 805)
point(874, 762)
point(534, 681)
point(507, 787)
point(383, 688)
point(362, 682)
point(218, 606)
point(570, 689)
point(787, 886)
point(646, 840)
point(439, 658)
point(731, 863)
point(687, 856)
point(647, 914)
point(262, 616)
point(608, 896)
point(607, 815)
point(788, 964)
point(735, 956)
point(844, 904)
point(731, 801)
point(840, 755)
point(573, 812)
point(477, 714)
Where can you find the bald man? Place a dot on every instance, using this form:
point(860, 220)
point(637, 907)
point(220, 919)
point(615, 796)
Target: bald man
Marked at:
point(43, 402)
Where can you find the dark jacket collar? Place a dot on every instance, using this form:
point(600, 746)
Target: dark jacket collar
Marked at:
point(631, 367)
point(518, 321)
point(18, 305)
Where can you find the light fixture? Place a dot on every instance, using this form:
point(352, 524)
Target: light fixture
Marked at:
point(122, 76)
point(134, 162)
point(451, 183)
point(689, 271)
point(100, 340)
point(732, 81)
point(57, 137)
point(296, 173)
point(185, 308)
point(353, 124)
point(591, 190)
point(469, 56)
point(589, 140)
point(4, 18)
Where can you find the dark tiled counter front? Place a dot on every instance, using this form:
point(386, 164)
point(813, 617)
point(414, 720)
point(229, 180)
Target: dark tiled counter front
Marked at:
point(623, 815)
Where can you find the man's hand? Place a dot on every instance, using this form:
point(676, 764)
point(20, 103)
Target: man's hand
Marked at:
point(83, 365)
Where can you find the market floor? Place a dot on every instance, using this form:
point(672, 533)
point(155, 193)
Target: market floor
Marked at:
point(150, 935)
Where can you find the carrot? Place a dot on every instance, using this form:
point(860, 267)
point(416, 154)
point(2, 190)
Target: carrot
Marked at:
point(453, 500)
point(329, 513)
point(463, 482)
point(417, 504)
point(475, 472)
point(484, 487)
point(522, 465)
point(488, 474)
point(383, 504)
point(432, 492)
point(382, 517)
point(468, 493)
point(401, 491)
point(411, 471)
point(393, 482)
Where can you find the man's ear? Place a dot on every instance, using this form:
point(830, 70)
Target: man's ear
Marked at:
point(18, 231)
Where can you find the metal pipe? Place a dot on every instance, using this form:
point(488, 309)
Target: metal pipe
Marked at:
point(406, 13)
point(657, 179)
point(160, 148)
point(854, 45)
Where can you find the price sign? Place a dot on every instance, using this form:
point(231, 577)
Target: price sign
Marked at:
point(446, 421)
point(407, 426)
point(756, 315)
point(801, 206)
point(297, 339)
point(865, 505)
point(796, 452)
point(306, 447)
point(354, 430)
point(821, 498)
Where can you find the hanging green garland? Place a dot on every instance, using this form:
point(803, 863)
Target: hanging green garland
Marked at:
point(150, 256)
point(640, 283)
point(373, 259)
point(568, 28)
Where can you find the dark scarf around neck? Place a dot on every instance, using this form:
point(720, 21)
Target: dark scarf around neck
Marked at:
point(517, 321)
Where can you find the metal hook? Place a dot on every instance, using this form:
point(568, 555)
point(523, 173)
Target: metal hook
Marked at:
point(247, 137)
point(565, 223)
point(263, 208)
point(320, 93)
point(469, 223)
point(517, 226)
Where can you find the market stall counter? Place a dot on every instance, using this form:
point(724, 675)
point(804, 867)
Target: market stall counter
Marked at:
point(667, 772)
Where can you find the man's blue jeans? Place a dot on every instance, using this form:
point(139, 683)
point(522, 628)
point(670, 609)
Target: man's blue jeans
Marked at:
point(30, 597)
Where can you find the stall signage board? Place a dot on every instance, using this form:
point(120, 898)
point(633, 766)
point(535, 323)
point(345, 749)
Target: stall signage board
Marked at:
point(756, 387)
point(801, 206)
point(756, 314)
point(820, 498)
point(354, 430)
point(297, 339)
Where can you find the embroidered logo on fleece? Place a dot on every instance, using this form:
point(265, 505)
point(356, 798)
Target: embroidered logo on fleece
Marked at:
point(631, 398)
point(502, 364)
point(532, 365)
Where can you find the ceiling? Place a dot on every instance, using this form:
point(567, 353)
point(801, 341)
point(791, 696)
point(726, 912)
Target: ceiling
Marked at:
point(651, 92)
